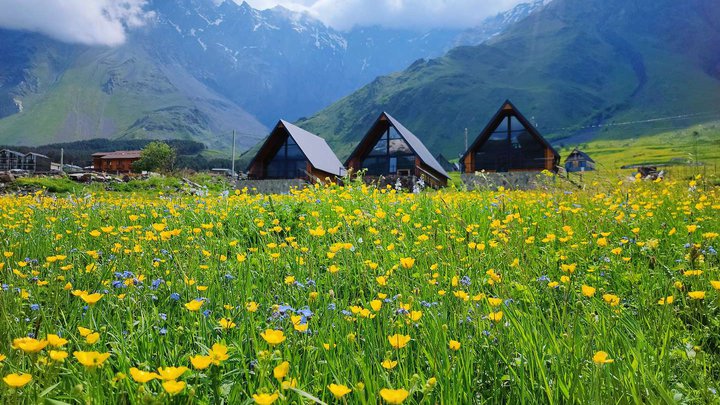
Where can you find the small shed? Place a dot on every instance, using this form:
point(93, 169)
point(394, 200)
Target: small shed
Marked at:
point(291, 152)
point(510, 143)
point(115, 162)
point(579, 161)
point(390, 149)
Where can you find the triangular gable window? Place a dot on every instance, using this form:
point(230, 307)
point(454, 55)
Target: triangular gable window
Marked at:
point(510, 146)
point(391, 154)
point(289, 162)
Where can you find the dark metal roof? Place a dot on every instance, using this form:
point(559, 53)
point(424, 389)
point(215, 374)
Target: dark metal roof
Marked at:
point(315, 149)
point(485, 133)
point(442, 160)
point(13, 152)
point(577, 154)
point(417, 146)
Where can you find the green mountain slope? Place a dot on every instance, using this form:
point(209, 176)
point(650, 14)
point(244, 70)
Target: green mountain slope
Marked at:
point(574, 68)
point(71, 93)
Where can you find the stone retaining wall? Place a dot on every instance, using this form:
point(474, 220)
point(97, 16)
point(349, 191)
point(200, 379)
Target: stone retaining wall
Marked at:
point(271, 186)
point(510, 180)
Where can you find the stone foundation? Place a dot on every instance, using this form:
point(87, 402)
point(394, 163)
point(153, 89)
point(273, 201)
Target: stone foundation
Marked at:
point(271, 186)
point(509, 180)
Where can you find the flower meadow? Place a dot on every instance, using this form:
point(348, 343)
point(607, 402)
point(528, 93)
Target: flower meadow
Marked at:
point(353, 294)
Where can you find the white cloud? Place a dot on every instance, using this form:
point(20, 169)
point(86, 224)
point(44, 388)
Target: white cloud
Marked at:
point(91, 22)
point(344, 14)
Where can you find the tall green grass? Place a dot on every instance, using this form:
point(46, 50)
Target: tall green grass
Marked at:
point(467, 246)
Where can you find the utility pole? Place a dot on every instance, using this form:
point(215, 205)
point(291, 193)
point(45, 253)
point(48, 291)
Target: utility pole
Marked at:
point(466, 140)
point(62, 158)
point(233, 155)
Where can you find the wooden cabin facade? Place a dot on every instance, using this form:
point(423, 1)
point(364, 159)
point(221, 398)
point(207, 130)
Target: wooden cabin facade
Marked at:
point(510, 143)
point(579, 161)
point(290, 152)
point(115, 162)
point(390, 149)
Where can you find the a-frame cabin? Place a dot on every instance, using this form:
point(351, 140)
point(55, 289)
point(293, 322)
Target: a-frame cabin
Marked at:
point(390, 149)
point(510, 143)
point(579, 161)
point(291, 152)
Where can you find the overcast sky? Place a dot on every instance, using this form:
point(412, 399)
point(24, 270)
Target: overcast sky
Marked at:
point(92, 22)
point(105, 22)
point(344, 14)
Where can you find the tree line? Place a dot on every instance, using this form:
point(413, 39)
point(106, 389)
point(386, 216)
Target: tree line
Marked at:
point(187, 154)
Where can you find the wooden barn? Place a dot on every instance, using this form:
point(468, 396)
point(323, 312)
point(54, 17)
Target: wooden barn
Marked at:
point(390, 149)
point(291, 152)
point(510, 143)
point(579, 161)
point(115, 162)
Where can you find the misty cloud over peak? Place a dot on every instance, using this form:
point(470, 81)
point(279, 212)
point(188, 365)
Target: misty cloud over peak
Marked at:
point(90, 22)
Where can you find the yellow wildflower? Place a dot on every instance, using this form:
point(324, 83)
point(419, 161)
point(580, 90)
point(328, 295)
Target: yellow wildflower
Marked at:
point(398, 341)
point(171, 373)
point(91, 359)
point(281, 370)
point(17, 380)
point(601, 357)
point(265, 399)
point(394, 396)
point(173, 387)
point(338, 390)
point(273, 337)
point(142, 376)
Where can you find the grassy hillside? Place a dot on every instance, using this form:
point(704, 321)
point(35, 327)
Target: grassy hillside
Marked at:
point(575, 68)
point(699, 143)
point(77, 93)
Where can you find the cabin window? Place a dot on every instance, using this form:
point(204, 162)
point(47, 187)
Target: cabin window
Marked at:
point(288, 163)
point(511, 146)
point(399, 147)
point(380, 148)
point(390, 155)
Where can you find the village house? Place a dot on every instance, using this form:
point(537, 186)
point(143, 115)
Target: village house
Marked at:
point(291, 152)
point(115, 162)
point(579, 161)
point(391, 150)
point(510, 143)
point(31, 162)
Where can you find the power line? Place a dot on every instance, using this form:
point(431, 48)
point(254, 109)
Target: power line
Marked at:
point(644, 121)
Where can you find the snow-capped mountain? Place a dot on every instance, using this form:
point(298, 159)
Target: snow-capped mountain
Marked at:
point(497, 24)
point(277, 62)
point(200, 69)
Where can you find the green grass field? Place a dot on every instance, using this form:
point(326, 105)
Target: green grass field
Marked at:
point(698, 143)
point(358, 295)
